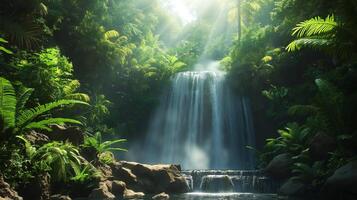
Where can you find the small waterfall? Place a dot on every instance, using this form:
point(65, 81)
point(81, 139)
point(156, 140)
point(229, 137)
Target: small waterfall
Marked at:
point(201, 124)
point(217, 183)
point(240, 181)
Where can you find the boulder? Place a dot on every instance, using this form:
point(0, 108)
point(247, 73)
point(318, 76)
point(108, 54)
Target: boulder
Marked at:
point(292, 187)
point(38, 188)
point(60, 197)
point(121, 173)
point(320, 146)
point(37, 138)
point(130, 194)
point(6, 192)
point(279, 166)
point(102, 192)
point(154, 179)
point(342, 182)
point(161, 196)
point(106, 171)
point(118, 188)
point(73, 134)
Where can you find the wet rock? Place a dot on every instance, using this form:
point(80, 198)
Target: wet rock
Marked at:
point(320, 146)
point(6, 192)
point(155, 178)
point(217, 183)
point(161, 196)
point(124, 174)
point(60, 197)
point(342, 182)
point(279, 166)
point(130, 194)
point(102, 192)
point(292, 187)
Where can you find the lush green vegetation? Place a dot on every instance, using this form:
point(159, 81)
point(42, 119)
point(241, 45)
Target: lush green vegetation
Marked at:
point(101, 66)
point(298, 64)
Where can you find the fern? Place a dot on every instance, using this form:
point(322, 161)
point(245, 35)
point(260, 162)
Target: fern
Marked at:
point(30, 114)
point(303, 110)
point(317, 43)
point(315, 26)
point(315, 32)
point(7, 103)
point(111, 34)
point(23, 96)
point(45, 124)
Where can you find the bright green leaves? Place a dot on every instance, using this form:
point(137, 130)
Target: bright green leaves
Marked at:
point(15, 116)
point(103, 149)
point(315, 26)
point(3, 49)
point(7, 103)
point(315, 32)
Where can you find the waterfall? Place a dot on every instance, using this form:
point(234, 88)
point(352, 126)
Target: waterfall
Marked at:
point(201, 124)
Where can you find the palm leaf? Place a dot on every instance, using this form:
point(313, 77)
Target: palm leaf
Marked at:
point(30, 114)
point(7, 103)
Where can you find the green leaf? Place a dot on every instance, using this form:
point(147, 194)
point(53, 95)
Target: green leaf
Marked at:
point(28, 115)
point(45, 124)
point(7, 103)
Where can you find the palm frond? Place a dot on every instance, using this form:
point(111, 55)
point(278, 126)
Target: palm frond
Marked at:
point(7, 103)
point(46, 124)
point(28, 115)
point(25, 34)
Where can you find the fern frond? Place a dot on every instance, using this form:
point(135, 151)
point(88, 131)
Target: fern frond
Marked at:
point(78, 96)
point(30, 150)
point(23, 94)
point(28, 115)
point(309, 42)
point(72, 87)
point(111, 34)
point(303, 110)
point(45, 124)
point(7, 103)
point(315, 26)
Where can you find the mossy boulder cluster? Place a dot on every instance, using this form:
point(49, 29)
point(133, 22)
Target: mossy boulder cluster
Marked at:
point(124, 180)
point(341, 184)
point(133, 180)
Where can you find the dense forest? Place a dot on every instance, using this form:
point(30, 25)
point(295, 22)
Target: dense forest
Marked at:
point(80, 79)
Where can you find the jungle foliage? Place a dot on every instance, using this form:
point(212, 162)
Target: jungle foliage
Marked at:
point(298, 65)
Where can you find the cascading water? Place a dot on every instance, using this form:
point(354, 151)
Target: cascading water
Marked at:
point(201, 124)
